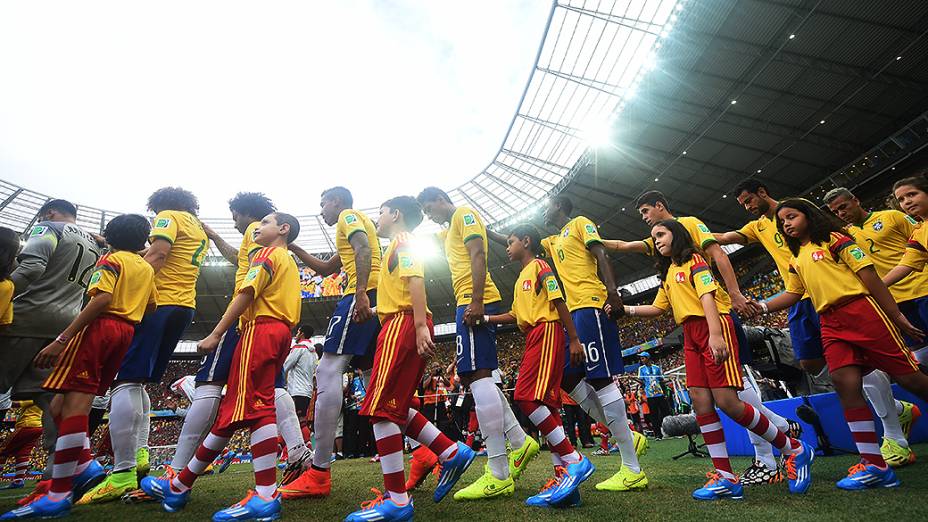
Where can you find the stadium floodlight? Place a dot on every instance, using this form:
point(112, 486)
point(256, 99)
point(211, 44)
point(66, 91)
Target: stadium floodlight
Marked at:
point(597, 134)
point(425, 247)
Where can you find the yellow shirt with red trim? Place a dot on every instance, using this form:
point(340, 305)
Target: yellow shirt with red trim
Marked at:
point(883, 236)
point(245, 251)
point(275, 280)
point(28, 416)
point(129, 279)
point(683, 287)
point(177, 279)
point(576, 265)
point(466, 224)
point(763, 230)
point(536, 290)
point(400, 264)
point(6, 302)
point(350, 222)
point(916, 251)
point(828, 272)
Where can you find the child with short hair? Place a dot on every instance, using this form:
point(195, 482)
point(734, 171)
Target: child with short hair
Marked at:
point(86, 357)
point(713, 373)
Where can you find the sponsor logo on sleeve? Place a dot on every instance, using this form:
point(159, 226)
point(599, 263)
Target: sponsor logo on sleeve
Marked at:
point(702, 228)
point(351, 219)
point(911, 220)
point(252, 273)
point(162, 222)
point(38, 231)
point(857, 253)
point(527, 285)
point(590, 229)
point(405, 261)
point(469, 220)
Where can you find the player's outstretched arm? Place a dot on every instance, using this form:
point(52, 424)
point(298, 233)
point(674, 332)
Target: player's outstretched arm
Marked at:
point(323, 268)
point(627, 247)
point(236, 308)
point(157, 254)
point(48, 357)
point(738, 301)
point(577, 355)
point(880, 293)
point(228, 251)
point(897, 274)
point(644, 310)
point(780, 302)
point(506, 318)
point(730, 238)
point(424, 343)
point(608, 279)
point(362, 262)
point(496, 237)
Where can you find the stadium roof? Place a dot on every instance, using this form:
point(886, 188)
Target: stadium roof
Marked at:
point(688, 98)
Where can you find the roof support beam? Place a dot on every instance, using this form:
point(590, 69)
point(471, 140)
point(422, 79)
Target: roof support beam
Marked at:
point(586, 82)
point(631, 23)
point(524, 175)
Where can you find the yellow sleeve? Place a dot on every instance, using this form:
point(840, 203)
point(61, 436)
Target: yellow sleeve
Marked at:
point(915, 256)
point(549, 281)
point(587, 231)
point(702, 236)
point(467, 225)
point(261, 272)
point(904, 223)
point(546, 245)
point(749, 231)
point(6, 298)
point(104, 276)
point(660, 300)
point(350, 223)
point(165, 227)
point(794, 284)
point(408, 264)
point(701, 277)
point(649, 246)
point(847, 250)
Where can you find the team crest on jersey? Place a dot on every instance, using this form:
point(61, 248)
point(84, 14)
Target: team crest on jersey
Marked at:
point(680, 277)
point(565, 233)
point(818, 255)
point(469, 220)
point(162, 222)
point(878, 226)
point(527, 285)
point(405, 261)
point(706, 279)
point(252, 273)
point(552, 285)
point(590, 229)
point(703, 228)
point(560, 254)
point(351, 219)
point(95, 277)
point(38, 231)
point(857, 253)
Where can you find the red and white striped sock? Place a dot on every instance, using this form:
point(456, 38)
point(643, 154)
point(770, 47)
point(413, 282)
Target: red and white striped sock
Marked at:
point(211, 447)
point(424, 432)
point(863, 431)
point(758, 423)
point(556, 461)
point(711, 427)
point(72, 433)
point(22, 466)
point(389, 440)
point(264, 456)
point(551, 428)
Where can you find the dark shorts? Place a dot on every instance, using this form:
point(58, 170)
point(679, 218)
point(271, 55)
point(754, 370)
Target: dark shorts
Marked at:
point(154, 342)
point(599, 336)
point(805, 331)
point(916, 311)
point(347, 337)
point(475, 345)
point(215, 366)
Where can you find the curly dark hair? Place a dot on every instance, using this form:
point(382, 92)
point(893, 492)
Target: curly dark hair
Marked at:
point(528, 230)
point(821, 223)
point(681, 247)
point(173, 198)
point(127, 232)
point(9, 247)
point(252, 204)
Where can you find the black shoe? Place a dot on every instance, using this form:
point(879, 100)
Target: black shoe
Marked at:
point(759, 473)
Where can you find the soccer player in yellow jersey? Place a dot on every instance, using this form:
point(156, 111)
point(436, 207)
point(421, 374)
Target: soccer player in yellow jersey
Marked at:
point(884, 234)
point(804, 327)
point(352, 332)
point(268, 305)
point(466, 248)
point(178, 245)
point(861, 324)
point(86, 357)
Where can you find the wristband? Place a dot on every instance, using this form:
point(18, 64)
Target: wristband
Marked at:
point(630, 310)
point(61, 339)
point(763, 306)
point(486, 319)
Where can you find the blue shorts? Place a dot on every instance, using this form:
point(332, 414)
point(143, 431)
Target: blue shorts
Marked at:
point(916, 311)
point(346, 337)
point(599, 336)
point(215, 366)
point(745, 356)
point(475, 345)
point(805, 331)
point(153, 343)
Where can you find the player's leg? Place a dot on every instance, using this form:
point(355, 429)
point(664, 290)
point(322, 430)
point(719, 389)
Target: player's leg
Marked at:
point(764, 469)
point(288, 424)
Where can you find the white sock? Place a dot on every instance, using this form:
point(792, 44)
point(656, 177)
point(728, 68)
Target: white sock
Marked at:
point(617, 422)
point(125, 420)
point(585, 397)
point(511, 426)
point(880, 395)
point(289, 424)
point(145, 424)
point(763, 450)
point(199, 419)
point(328, 405)
point(489, 408)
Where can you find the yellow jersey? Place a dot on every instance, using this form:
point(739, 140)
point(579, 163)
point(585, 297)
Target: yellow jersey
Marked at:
point(536, 290)
point(465, 225)
point(683, 287)
point(401, 264)
point(916, 251)
point(6, 302)
point(883, 236)
point(275, 280)
point(245, 251)
point(28, 416)
point(129, 279)
point(576, 265)
point(350, 222)
point(828, 272)
point(763, 230)
point(177, 279)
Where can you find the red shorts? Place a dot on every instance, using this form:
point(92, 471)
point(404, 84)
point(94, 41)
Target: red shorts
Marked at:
point(258, 359)
point(397, 370)
point(20, 443)
point(542, 365)
point(90, 361)
point(701, 368)
point(858, 333)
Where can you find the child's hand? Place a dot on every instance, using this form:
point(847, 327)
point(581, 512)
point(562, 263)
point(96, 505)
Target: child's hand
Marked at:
point(907, 328)
point(424, 342)
point(719, 348)
point(577, 355)
point(208, 344)
point(48, 357)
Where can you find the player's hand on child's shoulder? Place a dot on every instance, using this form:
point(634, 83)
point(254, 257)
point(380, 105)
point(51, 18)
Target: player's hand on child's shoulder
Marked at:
point(208, 344)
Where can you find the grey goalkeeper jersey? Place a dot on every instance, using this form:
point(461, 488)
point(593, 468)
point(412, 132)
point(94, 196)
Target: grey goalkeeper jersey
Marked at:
point(51, 278)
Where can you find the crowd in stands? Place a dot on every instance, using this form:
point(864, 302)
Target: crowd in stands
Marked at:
point(313, 285)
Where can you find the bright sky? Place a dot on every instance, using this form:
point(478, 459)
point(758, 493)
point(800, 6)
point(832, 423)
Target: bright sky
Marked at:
point(103, 102)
